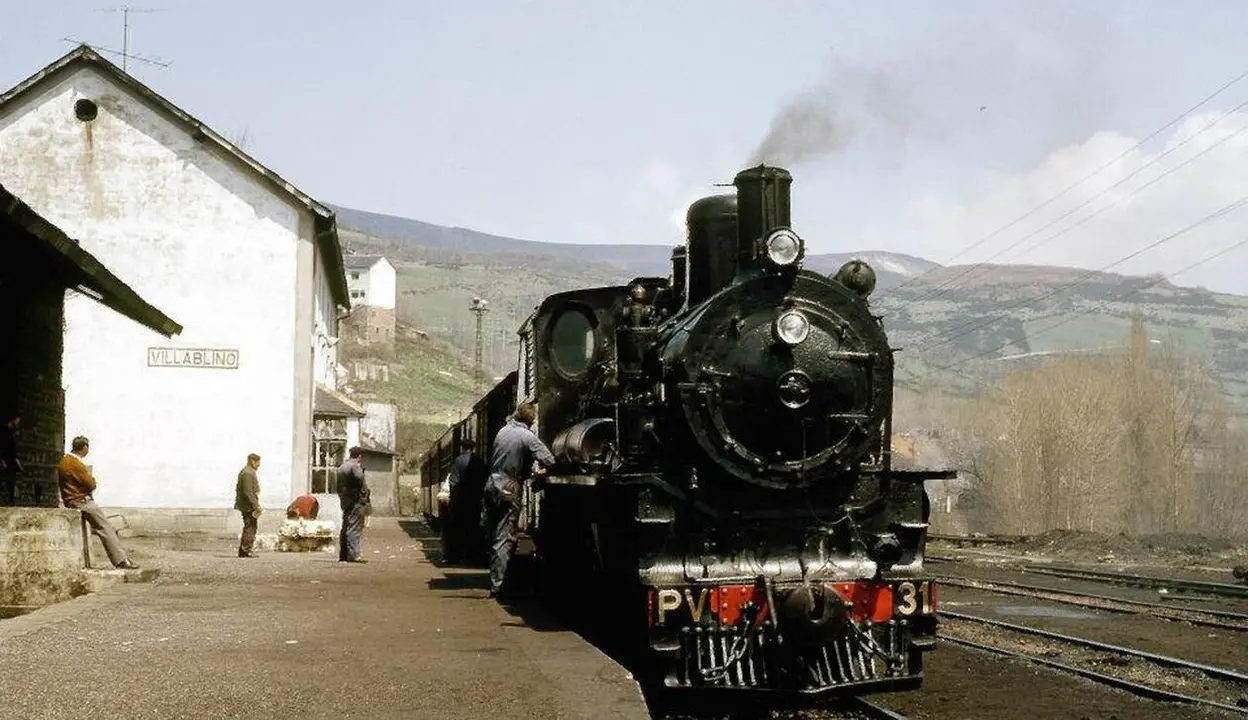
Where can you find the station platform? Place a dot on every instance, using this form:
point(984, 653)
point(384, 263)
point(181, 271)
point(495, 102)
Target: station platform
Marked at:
point(301, 635)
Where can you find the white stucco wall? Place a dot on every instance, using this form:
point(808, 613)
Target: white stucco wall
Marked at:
point(378, 283)
point(325, 329)
point(208, 244)
point(381, 284)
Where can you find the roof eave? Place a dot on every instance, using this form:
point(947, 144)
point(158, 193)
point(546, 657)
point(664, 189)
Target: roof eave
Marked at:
point(99, 282)
point(325, 222)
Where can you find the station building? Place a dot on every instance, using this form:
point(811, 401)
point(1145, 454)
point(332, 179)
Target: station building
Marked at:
point(250, 265)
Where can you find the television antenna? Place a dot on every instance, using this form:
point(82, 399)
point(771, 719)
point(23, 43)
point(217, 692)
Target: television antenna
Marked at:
point(125, 53)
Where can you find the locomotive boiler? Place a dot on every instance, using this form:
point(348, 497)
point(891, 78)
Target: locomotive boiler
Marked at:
point(724, 500)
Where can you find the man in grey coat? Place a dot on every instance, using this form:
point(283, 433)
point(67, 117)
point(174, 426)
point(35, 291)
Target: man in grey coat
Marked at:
point(247, 502)
point(355, 500)
point(515, 448)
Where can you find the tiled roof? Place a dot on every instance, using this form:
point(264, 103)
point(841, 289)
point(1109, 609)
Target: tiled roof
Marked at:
point(333, 403)
point(360, 262)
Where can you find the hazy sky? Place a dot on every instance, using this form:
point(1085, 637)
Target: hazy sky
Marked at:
point(923, 126)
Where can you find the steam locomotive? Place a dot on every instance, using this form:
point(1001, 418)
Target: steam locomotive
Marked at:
point(724, 497)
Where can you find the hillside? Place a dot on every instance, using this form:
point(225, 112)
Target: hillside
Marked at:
point(415, 240)
point(428, 382)
point(960, 326)
point(955, 324)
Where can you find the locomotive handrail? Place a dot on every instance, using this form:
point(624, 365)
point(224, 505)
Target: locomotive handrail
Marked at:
point(921, 475)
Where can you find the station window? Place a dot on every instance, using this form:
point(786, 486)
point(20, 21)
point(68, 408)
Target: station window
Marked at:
point(329, 449)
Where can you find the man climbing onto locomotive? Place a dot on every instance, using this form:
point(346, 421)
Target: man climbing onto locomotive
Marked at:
point(516, 447)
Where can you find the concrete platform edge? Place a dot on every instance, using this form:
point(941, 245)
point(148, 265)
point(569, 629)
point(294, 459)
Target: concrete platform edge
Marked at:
point(590, 684)
point(57, 613)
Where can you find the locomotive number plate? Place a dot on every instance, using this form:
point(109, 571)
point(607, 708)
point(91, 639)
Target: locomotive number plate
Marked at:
point(913, 598)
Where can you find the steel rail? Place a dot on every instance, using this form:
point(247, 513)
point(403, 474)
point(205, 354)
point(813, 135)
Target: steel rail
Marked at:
point(1214, 671)
point(1205, 586)
point(1227, 620)
point(977, 539)
point(866, 707)
point(1120, 683)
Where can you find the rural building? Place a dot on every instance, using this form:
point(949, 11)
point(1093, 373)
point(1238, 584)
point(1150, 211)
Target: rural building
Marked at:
point(40, 545)
point(378, 439)
point(38, 264)
point(335, 430)
point(247, 262)
point(341, 423)
point(372, 284)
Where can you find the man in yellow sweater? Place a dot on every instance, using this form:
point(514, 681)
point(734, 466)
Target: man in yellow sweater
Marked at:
point(77, 484)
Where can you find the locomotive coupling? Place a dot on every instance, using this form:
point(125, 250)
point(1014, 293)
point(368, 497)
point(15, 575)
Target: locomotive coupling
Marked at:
point(812, 617)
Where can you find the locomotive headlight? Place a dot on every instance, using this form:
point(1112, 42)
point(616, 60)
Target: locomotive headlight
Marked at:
point(792, 327)
point(783, 247)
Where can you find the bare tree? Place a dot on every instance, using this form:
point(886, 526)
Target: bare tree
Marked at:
point(1118, 442)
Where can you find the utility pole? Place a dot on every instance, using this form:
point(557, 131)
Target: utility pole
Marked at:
point(478, 307)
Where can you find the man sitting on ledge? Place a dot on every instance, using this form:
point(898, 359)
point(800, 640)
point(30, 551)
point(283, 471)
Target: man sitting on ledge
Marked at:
point(77, 484)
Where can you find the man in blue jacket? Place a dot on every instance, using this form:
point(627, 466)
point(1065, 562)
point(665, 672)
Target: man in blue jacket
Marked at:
point(355, 500)
point(515, 449)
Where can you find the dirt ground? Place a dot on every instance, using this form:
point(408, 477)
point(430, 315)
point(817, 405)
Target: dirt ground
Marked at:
point(965, 684)
point(1171, 549)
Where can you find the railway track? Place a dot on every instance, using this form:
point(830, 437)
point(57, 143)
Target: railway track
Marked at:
point(977, 539)
point(1146, 674)
point(867, 709)
point(850, 708)
point(1222, 619)
point(1203, 587)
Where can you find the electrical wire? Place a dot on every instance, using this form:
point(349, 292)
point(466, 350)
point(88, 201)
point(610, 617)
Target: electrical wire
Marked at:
point(1081, 181)
point(974, 325)
point(939, 289)
point(1100, 306)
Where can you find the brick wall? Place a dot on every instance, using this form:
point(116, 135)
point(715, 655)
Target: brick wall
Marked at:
point(30, 368)
point(370, 325)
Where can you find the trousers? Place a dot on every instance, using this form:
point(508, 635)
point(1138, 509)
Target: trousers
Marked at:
point(103, 530)
point(502, 517)
point(350, 538)
point(248, 539)
point(463, 538)
point(8, 486)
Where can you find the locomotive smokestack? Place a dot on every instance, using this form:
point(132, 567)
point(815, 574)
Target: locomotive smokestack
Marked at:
point(712, 254)
point(763, 206)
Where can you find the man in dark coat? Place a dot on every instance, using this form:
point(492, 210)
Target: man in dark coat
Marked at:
point(462, 540)
point(515, 448)
point(354, 497)
point(10, 466)
point(247, 502)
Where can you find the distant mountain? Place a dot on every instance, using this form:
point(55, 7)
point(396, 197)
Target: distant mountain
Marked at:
point(637, 260)
point(957, 325)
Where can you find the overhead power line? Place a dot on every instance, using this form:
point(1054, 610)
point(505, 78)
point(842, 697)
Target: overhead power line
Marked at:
point(1078, 183)
point(1100, 306)
point(966, 328)
point(1169, 171)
